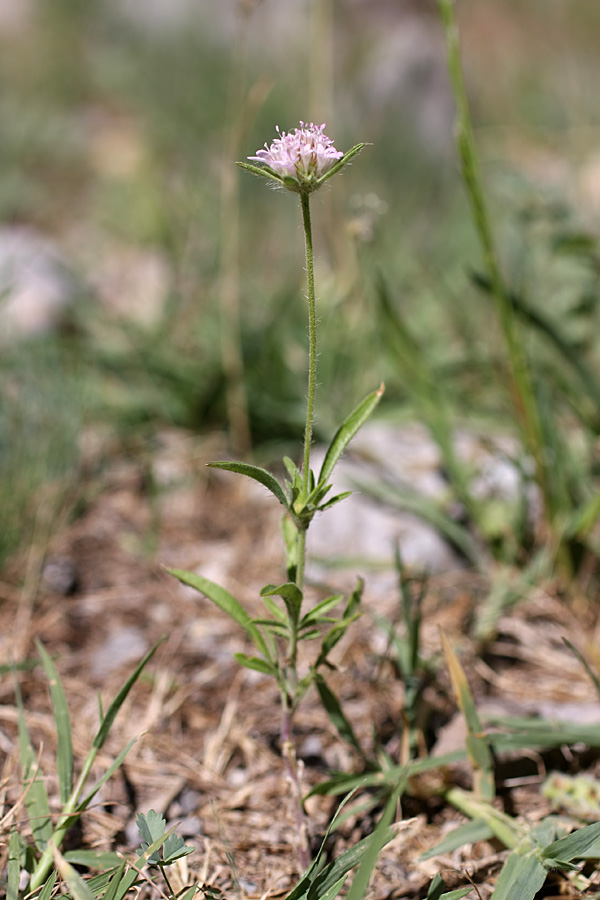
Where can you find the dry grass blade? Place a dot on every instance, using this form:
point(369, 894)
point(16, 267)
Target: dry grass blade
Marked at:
point(477, 745)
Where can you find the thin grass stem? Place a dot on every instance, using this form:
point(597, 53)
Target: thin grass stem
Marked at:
point(521, 385)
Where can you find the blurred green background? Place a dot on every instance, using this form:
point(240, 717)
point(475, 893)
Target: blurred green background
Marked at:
point(174, 281)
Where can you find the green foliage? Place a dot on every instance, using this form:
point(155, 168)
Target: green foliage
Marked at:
point(48, 834)
point(152, 827)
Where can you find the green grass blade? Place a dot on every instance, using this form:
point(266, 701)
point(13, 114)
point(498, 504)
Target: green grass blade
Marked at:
point(469, 833)
point(36, 800)
point(79, 889)
point(64, 752)
point(48, 887)
point(376, 843)
point(115, 881)
point(334, 710)
point(93, 859)
point(256, 473)
point(225, 601)
point(346, 432)
point(117, 762)
point(14, 865)
point(477, 745)
point(117, 703)
point(573, 845)
point(522, 876)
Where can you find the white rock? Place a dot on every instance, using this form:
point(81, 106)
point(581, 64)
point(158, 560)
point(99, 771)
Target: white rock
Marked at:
point(35, 287)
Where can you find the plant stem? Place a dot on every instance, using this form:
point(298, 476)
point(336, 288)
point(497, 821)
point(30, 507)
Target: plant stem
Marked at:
point(312, 376)
point(289, 755)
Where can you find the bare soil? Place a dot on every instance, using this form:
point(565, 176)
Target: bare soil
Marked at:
point(207, 755)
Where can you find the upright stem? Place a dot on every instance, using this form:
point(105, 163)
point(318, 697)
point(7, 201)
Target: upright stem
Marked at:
point(312, 376)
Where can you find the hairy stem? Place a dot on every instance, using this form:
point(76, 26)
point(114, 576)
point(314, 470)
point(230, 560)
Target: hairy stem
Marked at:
point(291, 764)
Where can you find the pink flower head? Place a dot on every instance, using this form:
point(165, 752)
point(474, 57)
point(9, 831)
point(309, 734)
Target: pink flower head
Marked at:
point(299, 159)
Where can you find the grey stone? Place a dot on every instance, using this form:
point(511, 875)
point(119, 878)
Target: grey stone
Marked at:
point(35, 285)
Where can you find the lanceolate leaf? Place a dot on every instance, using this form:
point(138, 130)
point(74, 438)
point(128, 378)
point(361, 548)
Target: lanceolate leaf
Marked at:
point(117, 703)
point(333, 708)
point(225, 601)
point(346, 432)
point(14, 865)
point(261, 475)
point(36, 798)
point(255, 662)
point(64, 752)
point(574, 845)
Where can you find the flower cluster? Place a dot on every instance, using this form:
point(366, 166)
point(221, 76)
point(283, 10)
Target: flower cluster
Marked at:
point(302, 159)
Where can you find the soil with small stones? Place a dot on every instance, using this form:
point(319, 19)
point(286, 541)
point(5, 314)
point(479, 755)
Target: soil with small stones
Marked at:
point(96, 593)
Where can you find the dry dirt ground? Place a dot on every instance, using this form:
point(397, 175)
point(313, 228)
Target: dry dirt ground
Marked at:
point(207, 756)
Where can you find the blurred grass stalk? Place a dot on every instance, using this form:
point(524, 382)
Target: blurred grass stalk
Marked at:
point(229, 266)
point(320, 61)
point(528, 413)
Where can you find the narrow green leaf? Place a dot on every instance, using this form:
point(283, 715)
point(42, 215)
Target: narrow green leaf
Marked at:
point(457, 894)
point(225, 601)
point(77, 886)
point(93, 859)
point(117, 703)
point(291, 595)
point(334, 636)
point(436, 891)
point(48, 887)
point(187, 895)
point(574, 844)
point(469, 833)
point(265, 172)
point(522, 876)
point(255, 663)
point(117, 762)
point(64, 752)
point(292, 470)
point(477, 745)
point(320, 609)
point(334, 710)
point(36, 798)
point(255, 472)
point(377, 842)
point(14, 865)
point(333, 500)
point(346, 432)
point(115, 881)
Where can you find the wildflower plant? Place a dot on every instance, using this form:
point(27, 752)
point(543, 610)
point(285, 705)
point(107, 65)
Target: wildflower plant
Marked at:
point(300, 161)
